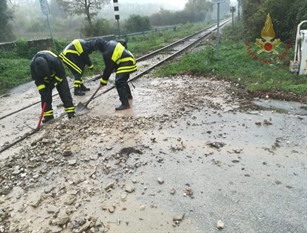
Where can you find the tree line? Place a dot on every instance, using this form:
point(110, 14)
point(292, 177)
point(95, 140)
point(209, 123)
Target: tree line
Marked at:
point(66, 14)
point(87, 17)
point(285, 15)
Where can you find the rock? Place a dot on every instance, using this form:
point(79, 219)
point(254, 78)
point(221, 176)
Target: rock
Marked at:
point(49, 189)
point(51, 209)
point(67, 153)
point(123, 197)
point(172, 191)
point(35, 203)
point(178, 219)
point(94, 157)
point(109, 186)
point(160, 180)
point(220, 225)
point(61, 221)
point(129, 188)
point(72, 162)
point(216, 145)
point(111, 209)
point(16, 171)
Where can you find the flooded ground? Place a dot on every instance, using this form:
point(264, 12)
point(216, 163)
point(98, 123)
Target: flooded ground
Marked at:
point(185, 158)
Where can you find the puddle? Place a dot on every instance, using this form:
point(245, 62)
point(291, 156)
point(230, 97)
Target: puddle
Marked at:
point(289, 107)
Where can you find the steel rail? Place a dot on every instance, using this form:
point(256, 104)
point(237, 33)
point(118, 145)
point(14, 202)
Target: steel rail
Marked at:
point(99, 75)
point(190, 45)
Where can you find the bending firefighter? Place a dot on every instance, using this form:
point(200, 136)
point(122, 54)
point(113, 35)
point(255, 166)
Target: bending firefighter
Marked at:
point(119, 59)
point(48, 72)
point(76, 56)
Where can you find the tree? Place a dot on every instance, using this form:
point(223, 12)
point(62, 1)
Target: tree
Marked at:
point(196, 10)
point(285, 14)
point(137, 23)
point(89, 8)
point(6, 16)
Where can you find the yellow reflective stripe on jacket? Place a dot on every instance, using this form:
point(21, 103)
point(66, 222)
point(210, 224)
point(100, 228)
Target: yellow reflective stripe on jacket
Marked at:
point(70, 109)
point(58, 78)
point(48, 51)
point(90, 67)
point(78, 46)
point(40, 87)
point(126, 59)
point(118, 51)
point(71, 51)
point(126, 69)
point(48, 113)
point(70, 63)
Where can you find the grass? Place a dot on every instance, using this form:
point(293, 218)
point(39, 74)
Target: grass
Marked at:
point(236, 65)
point(14, 65)
point(234, 62)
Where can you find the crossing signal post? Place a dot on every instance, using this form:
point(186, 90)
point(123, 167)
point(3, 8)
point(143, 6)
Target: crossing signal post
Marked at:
point(232, 11)
point(218, 27)
point(116, 14)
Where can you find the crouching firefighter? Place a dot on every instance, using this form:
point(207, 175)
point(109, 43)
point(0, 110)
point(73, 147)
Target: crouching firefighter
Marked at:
point(48, 72)
point(119, 59)
point(76, 57)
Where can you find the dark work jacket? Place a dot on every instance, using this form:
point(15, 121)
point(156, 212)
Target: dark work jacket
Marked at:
point(116, 58)
point(49, 74)
point(77, 52)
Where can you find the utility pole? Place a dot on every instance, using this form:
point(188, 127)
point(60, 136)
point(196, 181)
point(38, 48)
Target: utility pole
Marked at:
point(232, 10)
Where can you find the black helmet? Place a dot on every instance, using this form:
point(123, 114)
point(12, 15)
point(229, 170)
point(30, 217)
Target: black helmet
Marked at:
point(100, 44)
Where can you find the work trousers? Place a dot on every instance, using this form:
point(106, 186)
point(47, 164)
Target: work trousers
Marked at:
point(64, 93)
point(122, 87)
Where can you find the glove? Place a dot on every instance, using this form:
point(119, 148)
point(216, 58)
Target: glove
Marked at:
point(103, 82)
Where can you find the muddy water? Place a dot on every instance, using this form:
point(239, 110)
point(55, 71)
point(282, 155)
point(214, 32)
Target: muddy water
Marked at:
point(201, 158)
point(255, 182)
point(289, 107)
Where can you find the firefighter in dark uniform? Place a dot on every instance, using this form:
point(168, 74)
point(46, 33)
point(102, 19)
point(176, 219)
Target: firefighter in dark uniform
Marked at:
point(76, 57)
point(48, 72)
point(119, 59)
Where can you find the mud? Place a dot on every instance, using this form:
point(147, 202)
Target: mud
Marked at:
point(184, 157)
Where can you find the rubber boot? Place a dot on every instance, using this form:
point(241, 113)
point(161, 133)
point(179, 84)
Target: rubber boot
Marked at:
point(70, 115)
point(47, 119)
point(78, 91)
point(123, 96)
point(122, 107)
point(84, 88)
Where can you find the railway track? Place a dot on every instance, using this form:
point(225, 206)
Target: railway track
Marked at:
point(15, 130)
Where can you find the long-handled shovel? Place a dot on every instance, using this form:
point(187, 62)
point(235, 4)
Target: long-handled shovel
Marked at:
point(82, 108)
point(41, 116)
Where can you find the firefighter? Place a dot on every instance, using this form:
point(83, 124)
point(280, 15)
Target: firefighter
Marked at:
point(76, 57)
point(48, 72)
point(119, 59)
